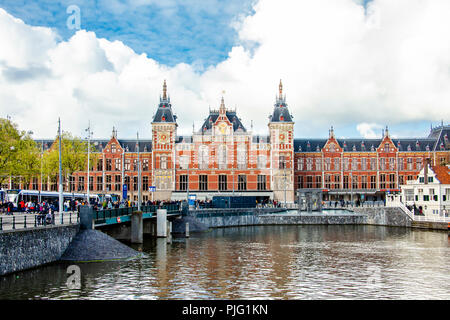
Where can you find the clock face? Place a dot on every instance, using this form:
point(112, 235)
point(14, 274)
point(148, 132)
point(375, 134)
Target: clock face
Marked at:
point(163, 138)
point(222, 127)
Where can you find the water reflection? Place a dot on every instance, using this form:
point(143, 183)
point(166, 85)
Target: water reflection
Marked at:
point(264, 262)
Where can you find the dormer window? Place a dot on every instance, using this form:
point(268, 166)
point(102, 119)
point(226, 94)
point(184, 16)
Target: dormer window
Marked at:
point(163, 118)
point(409, 147)
point(113, 148)
point(281, 118)
point(386, 147)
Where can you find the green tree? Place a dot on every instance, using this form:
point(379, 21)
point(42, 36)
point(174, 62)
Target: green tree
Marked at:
point(19, 154)
point(73, 156)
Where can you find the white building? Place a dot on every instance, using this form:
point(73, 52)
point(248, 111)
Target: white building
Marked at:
point(430, 192)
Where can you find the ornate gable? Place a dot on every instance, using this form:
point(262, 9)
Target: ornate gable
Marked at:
point(386, 144)
point(332, 145)
point(113, 146)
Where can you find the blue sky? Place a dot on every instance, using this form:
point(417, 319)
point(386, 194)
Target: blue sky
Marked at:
point(190, 31)
point(202, 33)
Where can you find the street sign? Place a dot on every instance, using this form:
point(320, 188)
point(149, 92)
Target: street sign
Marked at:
point(124, 194)
point(192, 198)
point(152, 189)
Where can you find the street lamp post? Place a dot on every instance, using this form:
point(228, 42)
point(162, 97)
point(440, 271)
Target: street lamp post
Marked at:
point(60, 174)
point(88, 168)
point(139, 173)
point(285, 182)
point(42, 156)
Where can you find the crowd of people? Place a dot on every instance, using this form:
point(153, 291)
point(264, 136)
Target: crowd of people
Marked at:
point(44, 210)
point(108, 204)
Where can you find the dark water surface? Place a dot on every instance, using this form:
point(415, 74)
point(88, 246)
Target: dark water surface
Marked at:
point(264, 262)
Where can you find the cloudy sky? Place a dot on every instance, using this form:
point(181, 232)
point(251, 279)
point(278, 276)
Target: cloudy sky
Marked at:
point(356, 65)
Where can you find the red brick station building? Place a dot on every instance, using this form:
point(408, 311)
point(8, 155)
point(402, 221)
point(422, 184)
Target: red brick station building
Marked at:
point(223, 157)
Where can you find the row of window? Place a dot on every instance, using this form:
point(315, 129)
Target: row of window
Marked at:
point(223, 183)
point(387, 181)
point(334, 164)
point(204, 164)
point(129, 165)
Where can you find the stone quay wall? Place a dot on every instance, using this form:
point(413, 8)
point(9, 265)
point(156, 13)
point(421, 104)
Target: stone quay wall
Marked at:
point(201, 220)
point(384, 216)
point(28, 248)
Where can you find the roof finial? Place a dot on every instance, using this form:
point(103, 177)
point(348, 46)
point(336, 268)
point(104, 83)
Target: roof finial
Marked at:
point(164, 90)
point(331, 132)
point(386, 132)
point(281, 90)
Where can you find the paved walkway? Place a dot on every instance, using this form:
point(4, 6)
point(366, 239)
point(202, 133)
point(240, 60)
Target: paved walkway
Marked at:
point(22, 220)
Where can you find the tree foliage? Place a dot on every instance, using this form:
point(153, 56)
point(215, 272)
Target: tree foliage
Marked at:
point(73, 156)
point(19, 154)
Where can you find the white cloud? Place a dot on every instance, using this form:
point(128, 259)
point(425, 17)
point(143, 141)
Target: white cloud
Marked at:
point(339, 66)
point(369, 130)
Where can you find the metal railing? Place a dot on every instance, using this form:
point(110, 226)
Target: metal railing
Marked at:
point(406, 210)
point(29, 221)
point(432, 219)
point(100, 216)
point(351, 204)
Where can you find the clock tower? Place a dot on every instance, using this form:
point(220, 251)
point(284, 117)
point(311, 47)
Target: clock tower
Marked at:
point(281, 129)
point(164, 131)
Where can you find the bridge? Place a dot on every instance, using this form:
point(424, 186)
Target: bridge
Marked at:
point(110, 217)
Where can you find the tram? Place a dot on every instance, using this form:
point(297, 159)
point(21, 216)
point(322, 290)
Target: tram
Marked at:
point(17, 195)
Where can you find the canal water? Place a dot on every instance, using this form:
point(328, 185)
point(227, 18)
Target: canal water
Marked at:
point(263, 262)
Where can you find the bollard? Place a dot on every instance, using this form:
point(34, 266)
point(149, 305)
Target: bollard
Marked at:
point(1, 223)
point(161, 223)
point(137, 227)
point(25, 222)
point(86, 215)
point(169, 232)
point(187, 229)
point(35, 221)
point(14, 223)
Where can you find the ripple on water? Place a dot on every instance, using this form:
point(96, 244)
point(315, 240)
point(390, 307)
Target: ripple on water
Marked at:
point(271, 262)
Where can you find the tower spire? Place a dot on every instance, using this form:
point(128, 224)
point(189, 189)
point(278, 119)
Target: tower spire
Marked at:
point(281, 90)
point(222, 108)
point(164, 90)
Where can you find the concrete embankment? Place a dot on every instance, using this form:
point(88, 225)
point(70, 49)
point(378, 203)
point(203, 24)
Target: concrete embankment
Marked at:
point(384, 216)
point(200, 220)
point(93, 245)
point(219, 218)
point(25, 249)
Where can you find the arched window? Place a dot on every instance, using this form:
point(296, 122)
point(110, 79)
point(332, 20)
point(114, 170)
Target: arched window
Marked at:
point(222, 157)
point(203, 157)
point(262, 162)
point(242, 157)
point(163, 162)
